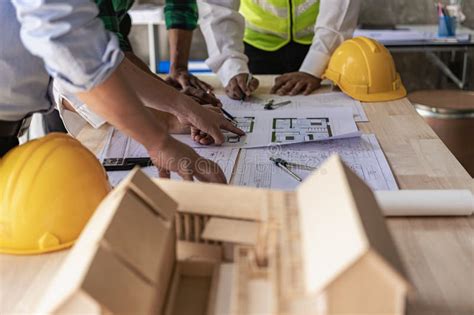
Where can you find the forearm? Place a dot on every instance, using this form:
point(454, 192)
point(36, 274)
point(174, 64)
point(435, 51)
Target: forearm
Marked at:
point(179, 75)
point(116, 101)
point(336, 22)
point(170, 122)
point(180, 45)
point(181, 20)
point(155, 93)
point(137, 61)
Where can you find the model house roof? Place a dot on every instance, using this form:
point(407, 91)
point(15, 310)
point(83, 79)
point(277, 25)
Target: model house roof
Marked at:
point(339, 223)
point(126, 254)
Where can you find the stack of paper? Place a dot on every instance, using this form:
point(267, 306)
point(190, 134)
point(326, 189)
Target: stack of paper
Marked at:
point(363, 155)
point(255, 169)
point(308, 119)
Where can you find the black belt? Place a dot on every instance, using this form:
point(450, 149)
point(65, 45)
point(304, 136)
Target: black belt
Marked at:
point(10, 129)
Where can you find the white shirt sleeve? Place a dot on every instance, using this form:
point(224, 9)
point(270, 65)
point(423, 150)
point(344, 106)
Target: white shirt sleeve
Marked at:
point(73, 43)
point(336, 22)
point(223, 28)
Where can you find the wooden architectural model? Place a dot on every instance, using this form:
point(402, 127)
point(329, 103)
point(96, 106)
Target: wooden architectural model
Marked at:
point(172, 247)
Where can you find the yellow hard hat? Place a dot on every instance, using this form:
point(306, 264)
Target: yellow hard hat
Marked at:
point(49, 188)
point(364, 69)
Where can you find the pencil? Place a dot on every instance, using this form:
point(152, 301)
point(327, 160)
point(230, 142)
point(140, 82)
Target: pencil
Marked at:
point(228, 115)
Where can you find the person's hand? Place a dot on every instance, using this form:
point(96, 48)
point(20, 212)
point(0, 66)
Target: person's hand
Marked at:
point(207, 121)
point(182, 79)
point(170, 122)
point(173, 156)
point(202, 97)
point(294, 83)
point(237, 88)
point(201, 137)
point(174, 126)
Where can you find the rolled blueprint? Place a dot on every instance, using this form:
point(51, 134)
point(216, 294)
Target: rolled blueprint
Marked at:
point(426, 202)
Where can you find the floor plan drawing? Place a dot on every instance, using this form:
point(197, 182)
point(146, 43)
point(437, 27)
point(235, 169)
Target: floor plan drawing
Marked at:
point(300, 129)
point(281, 127)
point(246, 124)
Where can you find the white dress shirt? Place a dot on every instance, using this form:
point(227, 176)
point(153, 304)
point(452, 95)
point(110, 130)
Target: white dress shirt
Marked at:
point(63, 39)
point(223, 28)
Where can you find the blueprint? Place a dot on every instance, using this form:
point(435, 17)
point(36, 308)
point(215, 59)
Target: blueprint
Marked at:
point(299, 102)
point(286, 126)
point(363, 155)
point(119, 145)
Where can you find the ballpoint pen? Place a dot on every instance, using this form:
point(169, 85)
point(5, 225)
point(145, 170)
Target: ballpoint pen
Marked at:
point(226, 113)
point(249, 78)
point(271, 105)
point(284, 166)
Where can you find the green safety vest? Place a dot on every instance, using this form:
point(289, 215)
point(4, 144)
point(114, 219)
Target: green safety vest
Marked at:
point(271, 24)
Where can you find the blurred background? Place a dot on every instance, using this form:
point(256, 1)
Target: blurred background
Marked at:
point(416, 70)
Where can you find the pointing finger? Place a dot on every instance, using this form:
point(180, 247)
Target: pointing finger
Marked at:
point(227, 125)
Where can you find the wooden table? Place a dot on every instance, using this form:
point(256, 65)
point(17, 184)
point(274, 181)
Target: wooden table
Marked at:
point(438, 253)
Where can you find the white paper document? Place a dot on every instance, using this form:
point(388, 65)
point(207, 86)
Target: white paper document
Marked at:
point(281, 127)
point(299, 102)
point(119, 145)
point(395, 35)
point(363, 155)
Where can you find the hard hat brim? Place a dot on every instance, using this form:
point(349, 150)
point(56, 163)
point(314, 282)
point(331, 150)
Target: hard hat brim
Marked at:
point(36, 251)
point(379, 97)
point(364, 69)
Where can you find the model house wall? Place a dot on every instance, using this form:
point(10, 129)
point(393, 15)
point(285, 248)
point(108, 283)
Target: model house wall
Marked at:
point(166, 247)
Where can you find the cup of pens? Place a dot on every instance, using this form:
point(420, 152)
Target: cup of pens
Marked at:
point(446, 22)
